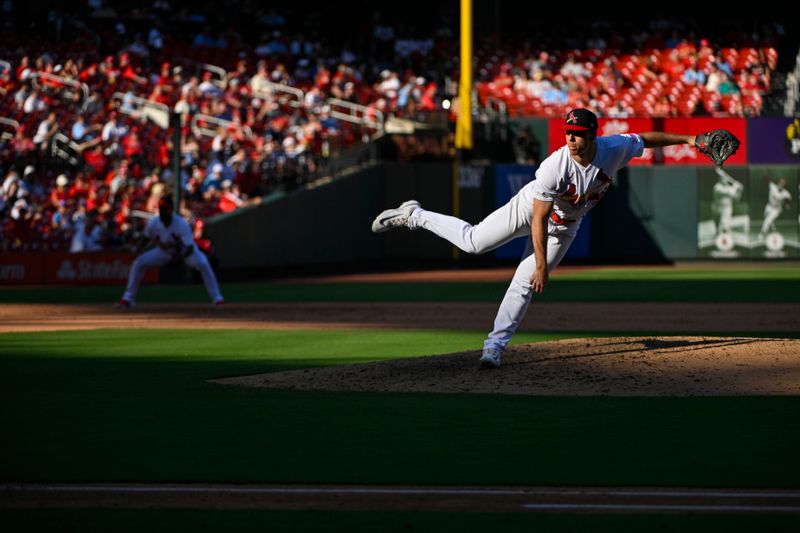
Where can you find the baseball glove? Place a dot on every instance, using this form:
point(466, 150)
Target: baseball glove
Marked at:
point(718, 145)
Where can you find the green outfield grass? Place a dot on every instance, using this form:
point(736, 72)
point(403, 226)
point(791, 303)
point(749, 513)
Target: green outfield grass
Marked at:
point(721, 284)
point(134, 405)
point(110, 405)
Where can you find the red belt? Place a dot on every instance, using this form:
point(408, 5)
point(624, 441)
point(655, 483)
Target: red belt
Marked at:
point(557, 219)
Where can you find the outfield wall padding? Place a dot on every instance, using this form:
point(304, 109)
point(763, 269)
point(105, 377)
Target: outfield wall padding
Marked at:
point(650, 214)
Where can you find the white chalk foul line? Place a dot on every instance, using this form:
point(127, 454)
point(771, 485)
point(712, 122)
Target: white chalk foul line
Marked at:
point(660, 507)
point(733, 493)
point(130, 489)
point(530, 491)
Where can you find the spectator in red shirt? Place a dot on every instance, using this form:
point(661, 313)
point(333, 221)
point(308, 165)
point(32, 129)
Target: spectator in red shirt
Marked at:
point(96, 159)
point(672, 65)
point(107, 70)
point(428, 100)
point(203, 242)
point(158, 95)
point(132, 147)
point(98, 198)
point(322, 78)
point(24, 69)
point(504, 77)
point(59, 194)
point(229, 199)
point(21, 144)
point(79, 190)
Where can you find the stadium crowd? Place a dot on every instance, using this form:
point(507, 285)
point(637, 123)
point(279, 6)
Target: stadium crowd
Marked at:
point(83, 168)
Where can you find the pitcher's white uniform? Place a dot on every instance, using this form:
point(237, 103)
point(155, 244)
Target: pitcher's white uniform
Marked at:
point(166, 238)
point(573, 189)
point(774, 207)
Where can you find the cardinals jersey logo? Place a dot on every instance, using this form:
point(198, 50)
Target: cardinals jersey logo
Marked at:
point(593, 194)
point(596, 193)
point(571, 195)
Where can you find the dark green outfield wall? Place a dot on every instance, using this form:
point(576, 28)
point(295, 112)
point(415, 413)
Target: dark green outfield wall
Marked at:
point(331, 223)
point(302, 228)
point(651, 214)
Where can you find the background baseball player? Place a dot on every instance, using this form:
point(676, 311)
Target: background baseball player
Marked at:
point(775, 199)
point(568, 184)
point(726, 191)
point(174, 242)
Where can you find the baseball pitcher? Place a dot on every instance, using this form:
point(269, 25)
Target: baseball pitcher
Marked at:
point(549, 209)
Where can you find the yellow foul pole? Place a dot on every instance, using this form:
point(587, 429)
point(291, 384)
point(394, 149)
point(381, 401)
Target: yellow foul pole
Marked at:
point(464, 121)
point(464, 117)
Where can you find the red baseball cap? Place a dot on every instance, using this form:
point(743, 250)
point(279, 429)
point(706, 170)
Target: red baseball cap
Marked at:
point(581, 120)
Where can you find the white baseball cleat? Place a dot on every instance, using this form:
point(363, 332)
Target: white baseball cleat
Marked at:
point(491, 358)
point(393, 218)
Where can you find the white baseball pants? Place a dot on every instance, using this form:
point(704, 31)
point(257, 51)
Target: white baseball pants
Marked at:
point(506, 223)
point(771, 214)
point(157, 257)
point(725, 217)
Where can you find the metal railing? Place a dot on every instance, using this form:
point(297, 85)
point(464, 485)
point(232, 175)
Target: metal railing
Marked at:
point(63, 147)
point(11, 123)
point(138, 107)
point(199, 127)
point(356, 114)
point(346, 161)
point(56, 79)
point(495, 114)
point(286, 94)
point(501, 110)
point(217, 71)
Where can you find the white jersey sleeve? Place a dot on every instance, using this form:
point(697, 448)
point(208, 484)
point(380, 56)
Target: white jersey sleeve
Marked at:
point(625, 146)
point(549, 182)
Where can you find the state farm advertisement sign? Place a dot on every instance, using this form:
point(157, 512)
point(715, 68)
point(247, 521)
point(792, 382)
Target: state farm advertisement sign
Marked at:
point(104, 268)
point(91, 269)
point(86, 269)
point(20, 269)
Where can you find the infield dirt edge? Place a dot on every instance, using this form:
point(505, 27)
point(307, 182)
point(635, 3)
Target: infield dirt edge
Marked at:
point(611, 366)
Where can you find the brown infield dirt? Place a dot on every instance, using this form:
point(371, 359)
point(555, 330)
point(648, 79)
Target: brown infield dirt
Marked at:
point(643, 365)
point(673, 364)
point(618, 366)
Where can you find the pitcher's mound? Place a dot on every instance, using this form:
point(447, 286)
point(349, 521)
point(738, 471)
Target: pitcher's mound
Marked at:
point(622, 366)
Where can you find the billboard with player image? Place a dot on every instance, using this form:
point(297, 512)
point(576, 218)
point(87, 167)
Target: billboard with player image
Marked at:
point(749, 212)
point(775, 228)
point(723, 228)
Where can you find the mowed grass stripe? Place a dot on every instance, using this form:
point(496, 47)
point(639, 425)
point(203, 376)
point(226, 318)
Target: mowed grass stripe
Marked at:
point(180, 520)
point(135, 406)
point(558, 290)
